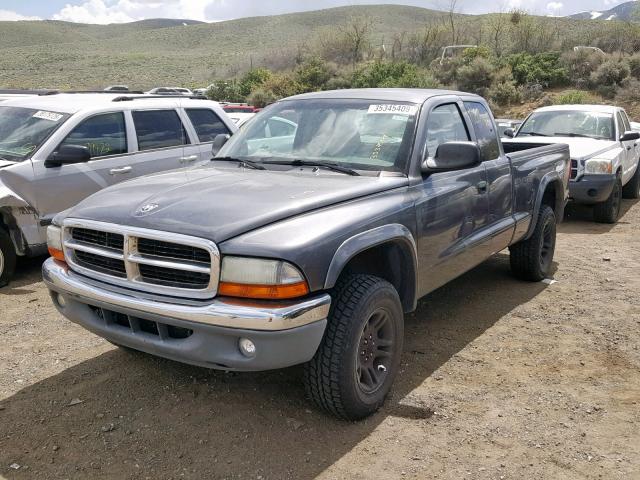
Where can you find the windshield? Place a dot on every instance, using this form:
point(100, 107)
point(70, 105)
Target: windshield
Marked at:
point(24, 130)
point(569, 123)
point(358, 134)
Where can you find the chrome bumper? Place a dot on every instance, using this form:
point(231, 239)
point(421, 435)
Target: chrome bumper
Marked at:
point(221, 312)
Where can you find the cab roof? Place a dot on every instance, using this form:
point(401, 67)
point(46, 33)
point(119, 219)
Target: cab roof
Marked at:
point(413, 95)
point(75, 102)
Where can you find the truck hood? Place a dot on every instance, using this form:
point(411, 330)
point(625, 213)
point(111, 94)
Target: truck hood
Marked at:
point(219, 203)
point(6, 163)
point(580, 148)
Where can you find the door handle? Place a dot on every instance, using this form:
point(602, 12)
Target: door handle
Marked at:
point(482, 187)
point(119, 171)
point(189, 159)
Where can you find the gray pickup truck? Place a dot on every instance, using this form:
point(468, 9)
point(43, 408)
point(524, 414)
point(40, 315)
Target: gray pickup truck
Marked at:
point(307, 245)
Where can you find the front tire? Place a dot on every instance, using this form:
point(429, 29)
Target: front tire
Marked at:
point(7, 258)
point(531, 259)
point(609, 210)
point(359, 357)
point(632, 189)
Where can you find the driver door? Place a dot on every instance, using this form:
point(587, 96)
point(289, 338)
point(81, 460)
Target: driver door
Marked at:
point(452, 207)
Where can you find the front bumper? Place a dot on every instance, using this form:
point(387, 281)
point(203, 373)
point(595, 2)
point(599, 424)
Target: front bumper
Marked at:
point(284, 334)
point(590, 189)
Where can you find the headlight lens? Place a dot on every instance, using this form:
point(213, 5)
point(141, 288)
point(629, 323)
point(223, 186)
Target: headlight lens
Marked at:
point(260, 278)
point(54, 242)
point(598, 166)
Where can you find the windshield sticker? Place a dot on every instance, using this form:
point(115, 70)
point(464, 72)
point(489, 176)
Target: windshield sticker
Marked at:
point(393, 108)
point(51, 116)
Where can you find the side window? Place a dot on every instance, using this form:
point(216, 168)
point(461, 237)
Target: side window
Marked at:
point(485, 130)
point(279, 127)
point(103, 135)
point(159, 129)
point(445, 124)
point(206, 123)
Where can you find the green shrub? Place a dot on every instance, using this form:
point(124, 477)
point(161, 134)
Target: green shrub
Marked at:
point(581, 64)
point(629, 93)
point(543, 68)
point(225, 91)
point(261, 98)
point(393, 74)
point(476, 77)
point(253, 79)
point(504, 93)
point(282, 85)
point(574, 97)
point(609, 77)
point(634, 66)
point(313, 74)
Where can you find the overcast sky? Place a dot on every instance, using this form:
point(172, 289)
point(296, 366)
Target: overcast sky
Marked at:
point(113, 11)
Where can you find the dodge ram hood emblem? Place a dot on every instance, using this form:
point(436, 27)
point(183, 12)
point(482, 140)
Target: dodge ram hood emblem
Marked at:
point(149, 207)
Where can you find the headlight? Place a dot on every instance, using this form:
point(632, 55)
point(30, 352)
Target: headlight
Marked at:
point(598, 166)
point(259, 278)
point(54, 242)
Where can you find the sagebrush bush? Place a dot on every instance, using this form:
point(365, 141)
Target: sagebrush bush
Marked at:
point(476, 77)
point(261, 98)
point(314, 73)
point(531, 92)
point(629, 93)
point(580, 65)
point(634, 65)
point(574, 97)
point(393, 74)
point(543, 68)
point(609, 77)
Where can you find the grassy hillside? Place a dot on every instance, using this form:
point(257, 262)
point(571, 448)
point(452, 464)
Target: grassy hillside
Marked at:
point(53, 54)
point(60, 55)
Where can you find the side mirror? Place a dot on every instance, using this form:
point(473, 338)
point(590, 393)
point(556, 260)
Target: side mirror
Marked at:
point(629, 136)
point(219, 142)
point(67, 155)
point(509, 132)
point(453, 156)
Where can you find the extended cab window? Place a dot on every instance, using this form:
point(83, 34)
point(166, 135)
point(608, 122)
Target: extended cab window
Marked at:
point(207, 124)
point(103, 135)
point(445, 124)
point(485, 130)
point(159, 129)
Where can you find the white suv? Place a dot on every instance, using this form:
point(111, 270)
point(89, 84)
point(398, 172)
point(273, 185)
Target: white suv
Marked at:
point(56, 149)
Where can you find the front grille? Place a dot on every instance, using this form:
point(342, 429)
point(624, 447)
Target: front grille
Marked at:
point(136, 325)
point(147, 260)
point(102, 264)
point(574, 169)
point(159, 248)
point(101, 239)
point(173, 278)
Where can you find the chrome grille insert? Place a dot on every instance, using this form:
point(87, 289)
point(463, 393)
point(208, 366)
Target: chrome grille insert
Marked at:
point(148, 260)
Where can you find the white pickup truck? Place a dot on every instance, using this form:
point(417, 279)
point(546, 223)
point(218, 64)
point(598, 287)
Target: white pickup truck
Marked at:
point(58, 148)
point(605, 149)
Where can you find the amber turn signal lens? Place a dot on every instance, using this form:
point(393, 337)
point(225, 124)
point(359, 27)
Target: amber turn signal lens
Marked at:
point(57, 254)
point(264, 292)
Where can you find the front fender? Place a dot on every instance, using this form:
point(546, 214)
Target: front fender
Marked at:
point(20, 219)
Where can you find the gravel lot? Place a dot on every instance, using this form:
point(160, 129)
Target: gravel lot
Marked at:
point(501, 380)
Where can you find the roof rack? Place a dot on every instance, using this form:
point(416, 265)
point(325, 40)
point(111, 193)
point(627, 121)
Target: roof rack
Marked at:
point(57, 92)
point(127, 98)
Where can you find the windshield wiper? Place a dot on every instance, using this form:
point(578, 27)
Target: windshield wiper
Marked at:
point(533, 134)
point(244, 163)
point(580, 135)
point(313, 163)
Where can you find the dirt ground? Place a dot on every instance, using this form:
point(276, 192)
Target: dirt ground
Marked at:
point(501, 380)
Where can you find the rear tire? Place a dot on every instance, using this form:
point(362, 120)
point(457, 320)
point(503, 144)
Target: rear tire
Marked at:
point(531, 259)
point(632, 188)
point(359, 357)
point(609, 210)
point(7, 258)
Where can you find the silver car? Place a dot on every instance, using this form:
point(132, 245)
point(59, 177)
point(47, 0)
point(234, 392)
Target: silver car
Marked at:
point(57, 149)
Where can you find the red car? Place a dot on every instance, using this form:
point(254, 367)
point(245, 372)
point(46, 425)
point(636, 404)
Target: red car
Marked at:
point(235, 108)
